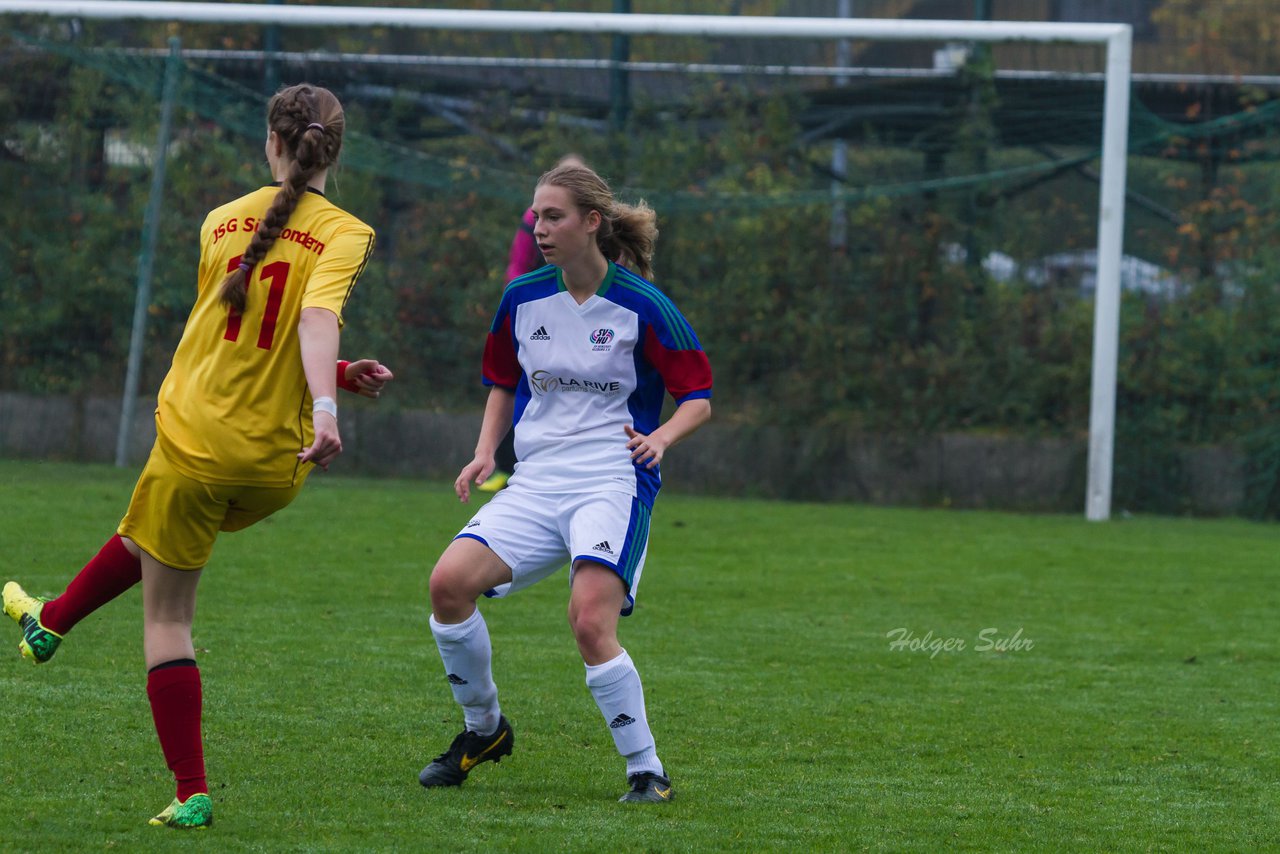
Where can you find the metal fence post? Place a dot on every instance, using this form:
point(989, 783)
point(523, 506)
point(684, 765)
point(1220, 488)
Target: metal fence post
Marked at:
point(146, 257)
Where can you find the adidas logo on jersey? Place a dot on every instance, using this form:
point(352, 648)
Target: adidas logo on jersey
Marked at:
point(621, 720)
point(540, 334)
point(602, 546)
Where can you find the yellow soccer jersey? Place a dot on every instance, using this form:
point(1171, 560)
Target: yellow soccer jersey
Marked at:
point(235, 407)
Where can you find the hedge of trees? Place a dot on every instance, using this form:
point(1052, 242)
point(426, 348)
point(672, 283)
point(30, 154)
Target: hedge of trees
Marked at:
point(899, 329)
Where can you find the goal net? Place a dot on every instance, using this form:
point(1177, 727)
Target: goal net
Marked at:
point(890, 234)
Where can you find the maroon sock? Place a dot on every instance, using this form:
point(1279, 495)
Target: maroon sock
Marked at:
point(111, 572)
point(174, 691)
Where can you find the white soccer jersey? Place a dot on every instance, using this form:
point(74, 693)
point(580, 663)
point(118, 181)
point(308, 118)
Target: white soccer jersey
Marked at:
point(582, 372)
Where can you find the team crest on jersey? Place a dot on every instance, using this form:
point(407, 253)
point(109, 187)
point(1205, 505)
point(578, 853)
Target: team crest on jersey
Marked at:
point(602, 339)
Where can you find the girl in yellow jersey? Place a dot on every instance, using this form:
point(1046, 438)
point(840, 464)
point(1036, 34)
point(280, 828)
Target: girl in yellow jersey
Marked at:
point(245, 413)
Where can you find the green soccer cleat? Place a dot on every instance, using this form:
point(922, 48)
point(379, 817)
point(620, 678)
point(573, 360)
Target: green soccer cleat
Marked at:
point(647, 787)
point(195, 813)
point(468, 750)
point(38, 644)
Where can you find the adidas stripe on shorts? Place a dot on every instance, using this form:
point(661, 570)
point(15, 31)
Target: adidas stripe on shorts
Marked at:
point(536, 533)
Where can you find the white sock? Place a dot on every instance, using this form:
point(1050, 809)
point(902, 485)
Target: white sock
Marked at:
point(620, 696)
point(467, 656)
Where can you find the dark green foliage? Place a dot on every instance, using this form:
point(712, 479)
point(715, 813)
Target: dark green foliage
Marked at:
point(892, 325)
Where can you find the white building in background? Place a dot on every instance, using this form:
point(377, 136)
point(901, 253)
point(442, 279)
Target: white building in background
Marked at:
point(1079, 269)
point(1076, 270)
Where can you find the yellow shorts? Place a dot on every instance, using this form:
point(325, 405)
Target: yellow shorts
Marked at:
point(176, 519)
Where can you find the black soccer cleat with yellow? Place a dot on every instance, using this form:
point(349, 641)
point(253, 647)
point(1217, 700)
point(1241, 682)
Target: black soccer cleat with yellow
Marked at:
point(468, 750)
point(648, 787)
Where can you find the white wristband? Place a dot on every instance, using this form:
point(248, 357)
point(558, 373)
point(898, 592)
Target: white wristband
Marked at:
point(325, 404)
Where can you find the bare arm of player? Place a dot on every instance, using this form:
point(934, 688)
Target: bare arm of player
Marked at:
point(498, 410)
point(688, 417)
point(318, 337)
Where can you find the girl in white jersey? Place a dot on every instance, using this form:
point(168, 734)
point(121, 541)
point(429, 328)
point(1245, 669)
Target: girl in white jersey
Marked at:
point(579, 357)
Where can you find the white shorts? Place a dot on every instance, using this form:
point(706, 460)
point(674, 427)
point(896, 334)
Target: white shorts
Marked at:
point(537, 533)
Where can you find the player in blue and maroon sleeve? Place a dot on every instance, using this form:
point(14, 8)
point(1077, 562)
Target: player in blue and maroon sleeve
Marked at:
point(579, 357)
point(523, 257)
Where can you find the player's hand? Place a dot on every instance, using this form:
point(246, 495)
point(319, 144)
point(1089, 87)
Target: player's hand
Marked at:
point(328, 443)
point(477, 471)
point(645, 450)
point(368, 376)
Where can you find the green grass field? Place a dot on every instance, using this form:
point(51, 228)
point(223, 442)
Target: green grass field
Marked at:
point(1133, 707)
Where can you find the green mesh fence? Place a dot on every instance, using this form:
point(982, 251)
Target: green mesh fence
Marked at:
point(938, 282)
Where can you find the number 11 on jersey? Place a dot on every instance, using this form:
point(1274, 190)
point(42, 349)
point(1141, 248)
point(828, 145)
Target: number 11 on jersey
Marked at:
point(276, 273)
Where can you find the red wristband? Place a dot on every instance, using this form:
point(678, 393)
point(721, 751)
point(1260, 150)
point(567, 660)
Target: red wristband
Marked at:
point(343, 382)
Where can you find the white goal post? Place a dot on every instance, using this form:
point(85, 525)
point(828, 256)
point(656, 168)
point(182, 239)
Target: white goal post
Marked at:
point(1116, 38)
